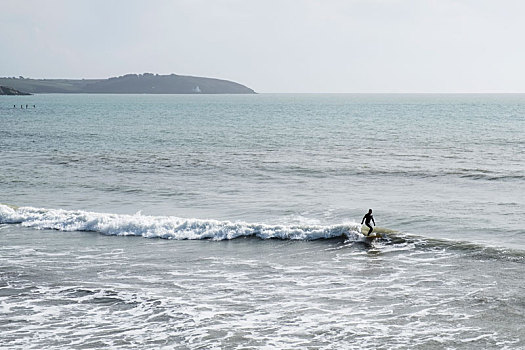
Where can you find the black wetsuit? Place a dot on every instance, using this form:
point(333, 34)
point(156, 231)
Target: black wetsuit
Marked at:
point(367, 218)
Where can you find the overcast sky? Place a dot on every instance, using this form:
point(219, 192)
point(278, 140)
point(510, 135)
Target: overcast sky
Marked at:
point(274, 46)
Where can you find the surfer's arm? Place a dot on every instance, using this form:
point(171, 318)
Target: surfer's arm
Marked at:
point(374, 221)
point(363, 219)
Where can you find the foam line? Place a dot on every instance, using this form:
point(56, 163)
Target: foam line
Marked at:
point(167, 227)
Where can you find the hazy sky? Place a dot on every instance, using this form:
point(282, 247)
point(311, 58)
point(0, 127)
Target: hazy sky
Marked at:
point(274, 46)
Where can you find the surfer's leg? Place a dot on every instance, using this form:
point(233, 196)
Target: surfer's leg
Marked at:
point(370, 229)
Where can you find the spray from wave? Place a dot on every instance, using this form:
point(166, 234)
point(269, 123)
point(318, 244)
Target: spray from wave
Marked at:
point(167, 227)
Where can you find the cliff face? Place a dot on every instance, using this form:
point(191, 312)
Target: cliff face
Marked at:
point(4, 90)
point(146, 83)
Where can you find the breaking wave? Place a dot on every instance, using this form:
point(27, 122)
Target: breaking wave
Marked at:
point(167, 227)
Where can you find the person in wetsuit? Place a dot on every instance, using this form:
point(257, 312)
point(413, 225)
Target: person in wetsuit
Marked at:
point(368, 216)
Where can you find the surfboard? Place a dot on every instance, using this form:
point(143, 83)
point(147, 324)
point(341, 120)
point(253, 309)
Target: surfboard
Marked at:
point(379, 232)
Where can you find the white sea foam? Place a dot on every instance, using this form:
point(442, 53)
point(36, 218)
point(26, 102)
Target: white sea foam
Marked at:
point(168, 227)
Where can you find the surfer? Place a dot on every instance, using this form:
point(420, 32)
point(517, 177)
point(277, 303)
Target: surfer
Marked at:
point(368, 216)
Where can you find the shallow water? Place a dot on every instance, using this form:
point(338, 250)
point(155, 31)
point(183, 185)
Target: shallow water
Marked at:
point(97, 291)
point(256, 201)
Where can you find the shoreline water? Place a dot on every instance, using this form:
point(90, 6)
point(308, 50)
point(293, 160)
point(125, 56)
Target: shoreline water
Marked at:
point(251, 293)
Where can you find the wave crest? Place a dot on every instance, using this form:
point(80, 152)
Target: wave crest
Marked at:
point(167, 227)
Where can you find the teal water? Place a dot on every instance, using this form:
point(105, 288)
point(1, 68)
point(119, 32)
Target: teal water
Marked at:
point(444, 173)
point(443, 166)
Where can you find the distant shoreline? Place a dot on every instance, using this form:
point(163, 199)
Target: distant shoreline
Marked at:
point(146, 83)
point(8, 91)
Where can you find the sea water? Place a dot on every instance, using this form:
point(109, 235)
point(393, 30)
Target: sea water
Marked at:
point(233, 221)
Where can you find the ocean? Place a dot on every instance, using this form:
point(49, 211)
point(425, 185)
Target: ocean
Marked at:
point(234, 221)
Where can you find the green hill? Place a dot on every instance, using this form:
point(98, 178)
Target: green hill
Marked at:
point(146, 83)
point(4, 90)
